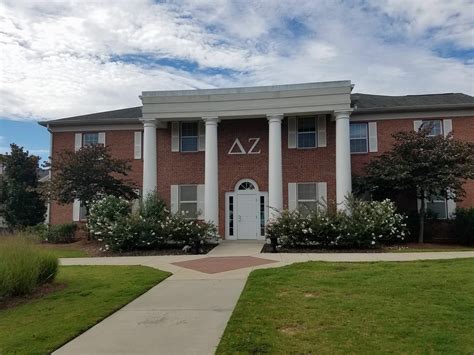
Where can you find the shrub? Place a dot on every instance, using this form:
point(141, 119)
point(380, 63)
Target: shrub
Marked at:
point(23, 267)
point(464, 225)
point(60, 233)
point(152, 227)
point(368, 224)
point(104, 212)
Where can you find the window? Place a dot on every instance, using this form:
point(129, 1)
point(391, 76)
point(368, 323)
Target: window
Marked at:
point(435, 125)
point(307, 198)
point(246, 186)
point(437, 205)
point(358, 134)
point(262, 215)
point(306, 132)
point(90, 139)
point(189, 136)
point(188, 201)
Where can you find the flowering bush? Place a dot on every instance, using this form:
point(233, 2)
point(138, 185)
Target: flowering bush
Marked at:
point(104, 212)
point(368, 224)
point(153, 227)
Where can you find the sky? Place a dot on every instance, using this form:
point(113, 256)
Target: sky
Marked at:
point(65, 58)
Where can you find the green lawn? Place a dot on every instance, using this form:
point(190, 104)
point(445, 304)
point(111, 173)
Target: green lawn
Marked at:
point(66, 252)
point(363, 308)
point(91, 293)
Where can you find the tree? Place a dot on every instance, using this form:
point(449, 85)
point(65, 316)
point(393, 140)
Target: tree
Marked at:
point(88, 173)
point(430, 165)
point(23, 204)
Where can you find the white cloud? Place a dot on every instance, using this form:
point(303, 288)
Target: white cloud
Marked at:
point(60, 58)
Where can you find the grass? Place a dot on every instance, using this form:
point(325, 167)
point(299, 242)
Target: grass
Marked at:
point(23, 267)
point(64, 251)
point(364, 308)
point(90, 294)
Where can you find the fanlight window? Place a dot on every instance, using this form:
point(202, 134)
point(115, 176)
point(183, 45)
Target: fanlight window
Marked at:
point(246, 186)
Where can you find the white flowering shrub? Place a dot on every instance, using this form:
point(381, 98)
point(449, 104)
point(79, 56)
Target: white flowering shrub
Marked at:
point(104, 212)
point(369, 224)
point(153, 227)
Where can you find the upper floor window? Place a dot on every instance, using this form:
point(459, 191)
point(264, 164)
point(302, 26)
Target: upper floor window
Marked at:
point(90, 139)
point(188, 203)
point(358, 137)
point(436, 127)
point(307, 197)
point(306, 132)
point(189, 136)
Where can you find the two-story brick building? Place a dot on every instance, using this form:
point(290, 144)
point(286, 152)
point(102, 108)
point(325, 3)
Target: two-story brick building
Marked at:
point(236, 156)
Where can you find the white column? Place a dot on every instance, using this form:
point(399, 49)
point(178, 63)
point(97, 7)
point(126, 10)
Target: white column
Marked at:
point(211, 188)
point(149, 157)
point(275, 171)
point(343, 159)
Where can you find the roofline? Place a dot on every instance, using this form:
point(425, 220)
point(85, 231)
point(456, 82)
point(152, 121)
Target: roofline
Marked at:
point(248, 89)
point(413, 108)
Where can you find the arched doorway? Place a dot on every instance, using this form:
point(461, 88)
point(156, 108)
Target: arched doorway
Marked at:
point(246, 211)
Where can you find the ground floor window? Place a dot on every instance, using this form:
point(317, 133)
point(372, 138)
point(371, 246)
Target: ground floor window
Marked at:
point(188, 203)
point(438, 207)
point(307, 197)
point(83, 212)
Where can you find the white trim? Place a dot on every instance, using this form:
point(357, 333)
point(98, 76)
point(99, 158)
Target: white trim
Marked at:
point(372, 137)
point(174, 199)
point(200, 201)
point(292, 132)
point(77, 141)
point(322, 140)
point(292, 196)
point(201, 136)
point(76, 210)
point(95, 128)
point(175, 136)
point(447, 126)
point(417, 125)
point(137, 145)
point(101, 138)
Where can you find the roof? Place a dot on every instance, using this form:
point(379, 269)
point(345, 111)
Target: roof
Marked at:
point(362, 103)
point(381, 103)
point(125, 115)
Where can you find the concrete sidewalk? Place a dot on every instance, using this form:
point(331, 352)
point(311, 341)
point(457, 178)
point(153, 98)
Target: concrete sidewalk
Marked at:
point(188, 312)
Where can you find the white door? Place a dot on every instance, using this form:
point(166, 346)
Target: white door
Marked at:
point(247, 216)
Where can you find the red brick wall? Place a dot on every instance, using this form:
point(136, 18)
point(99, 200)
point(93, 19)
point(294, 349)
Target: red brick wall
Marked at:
point(299, 165)
point(463, 129)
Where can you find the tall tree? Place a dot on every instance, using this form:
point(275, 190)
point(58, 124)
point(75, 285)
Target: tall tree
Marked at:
point(88, 173)
point(23, 205)
point(430, 165)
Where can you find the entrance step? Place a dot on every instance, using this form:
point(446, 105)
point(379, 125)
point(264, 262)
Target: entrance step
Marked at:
point(237, 248)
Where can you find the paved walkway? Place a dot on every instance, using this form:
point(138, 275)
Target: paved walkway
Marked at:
point(187, 313)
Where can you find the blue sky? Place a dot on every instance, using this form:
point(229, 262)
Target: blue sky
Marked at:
point(66, 58)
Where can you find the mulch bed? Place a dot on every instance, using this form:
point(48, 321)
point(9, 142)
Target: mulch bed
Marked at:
point(267, 248)
point(39, 292)
point(206, 248)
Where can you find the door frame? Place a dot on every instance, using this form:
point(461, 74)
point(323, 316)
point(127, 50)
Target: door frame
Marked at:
point(234, 194)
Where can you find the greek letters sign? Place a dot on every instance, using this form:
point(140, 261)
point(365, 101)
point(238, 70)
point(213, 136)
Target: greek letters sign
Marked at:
point(238, 148)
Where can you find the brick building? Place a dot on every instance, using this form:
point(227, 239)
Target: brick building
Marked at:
point(236, 156)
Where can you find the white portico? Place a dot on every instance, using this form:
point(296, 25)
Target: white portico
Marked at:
point(274, 103)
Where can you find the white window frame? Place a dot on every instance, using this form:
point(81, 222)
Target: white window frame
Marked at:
point(188, 201)
point(315, 132)
point(82, 212)
point(315, 200)
point(366, 136)
point(441, 133)
point(181, 136)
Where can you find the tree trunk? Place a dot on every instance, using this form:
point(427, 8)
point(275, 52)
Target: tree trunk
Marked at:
point(422, 221)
